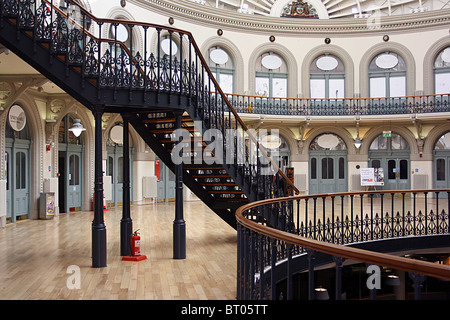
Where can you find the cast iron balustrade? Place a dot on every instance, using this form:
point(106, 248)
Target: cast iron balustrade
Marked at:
point(340, 107)
point(278, 238)
point(72, 48)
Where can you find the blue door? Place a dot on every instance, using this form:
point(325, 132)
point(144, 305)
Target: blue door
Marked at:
point(166, 183)
point(18, 183)
point(74, 182)
point(17, 166)
point(114, 168)
point(70, 167)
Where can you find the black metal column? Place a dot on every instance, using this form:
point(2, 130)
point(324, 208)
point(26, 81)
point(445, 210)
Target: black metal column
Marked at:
point(126, 224)
point(98, 225)
point(179, 225)
point(310, 273)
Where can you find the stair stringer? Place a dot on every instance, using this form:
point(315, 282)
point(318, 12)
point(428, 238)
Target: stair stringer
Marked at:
point(227, 214)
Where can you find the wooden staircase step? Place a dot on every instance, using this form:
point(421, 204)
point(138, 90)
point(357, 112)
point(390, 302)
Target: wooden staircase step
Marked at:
point(170, 130)
point(226, 192)
point(167, 120)
point(211, 176)
point(215, 184)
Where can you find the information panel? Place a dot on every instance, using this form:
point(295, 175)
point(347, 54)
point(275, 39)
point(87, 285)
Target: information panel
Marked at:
point(372, 177)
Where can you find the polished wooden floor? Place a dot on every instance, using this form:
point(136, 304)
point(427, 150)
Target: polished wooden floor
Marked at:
point(35, 256)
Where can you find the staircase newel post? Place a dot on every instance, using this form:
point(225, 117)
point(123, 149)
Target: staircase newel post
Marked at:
point(179, 225)
point(126, 224)
point(98, 225)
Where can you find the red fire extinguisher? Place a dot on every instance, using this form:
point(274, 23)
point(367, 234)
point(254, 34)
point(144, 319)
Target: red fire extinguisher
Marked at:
point(136, 244)
point(135, 240)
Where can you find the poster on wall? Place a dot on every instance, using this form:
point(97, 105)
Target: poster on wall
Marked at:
point(372, 177)
point(158, 170)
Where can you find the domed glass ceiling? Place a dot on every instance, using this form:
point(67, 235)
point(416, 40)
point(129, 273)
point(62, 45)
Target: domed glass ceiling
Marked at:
point(327, 9)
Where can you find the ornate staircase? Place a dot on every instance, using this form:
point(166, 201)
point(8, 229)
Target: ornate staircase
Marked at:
point(150, 89)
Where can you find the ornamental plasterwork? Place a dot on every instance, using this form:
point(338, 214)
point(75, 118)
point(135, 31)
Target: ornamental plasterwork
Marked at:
point(213, 17)
point(332, 9)
point(299, 9)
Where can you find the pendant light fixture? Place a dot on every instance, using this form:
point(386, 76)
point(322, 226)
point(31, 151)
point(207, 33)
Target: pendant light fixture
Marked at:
point(77, 128)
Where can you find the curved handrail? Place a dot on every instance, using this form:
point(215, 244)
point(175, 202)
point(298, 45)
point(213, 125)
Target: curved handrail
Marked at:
point(415, 266)
point(334, 99)
point(204, 63)
point(254, 104)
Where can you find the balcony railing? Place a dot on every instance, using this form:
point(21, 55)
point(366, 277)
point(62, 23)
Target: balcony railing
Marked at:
point(340, 107)
point(279, 238)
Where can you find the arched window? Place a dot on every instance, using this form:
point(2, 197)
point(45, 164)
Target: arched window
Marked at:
point(442, 72)
point(123, 33)
point(271, 76)
point(384, 142)
point(443, 143)
point(387, 76)
point(222, 67)
point(327, 77)
point(327, 141)
point(168, 46)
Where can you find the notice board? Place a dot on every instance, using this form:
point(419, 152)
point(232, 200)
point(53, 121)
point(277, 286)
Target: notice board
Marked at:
point(372, 177)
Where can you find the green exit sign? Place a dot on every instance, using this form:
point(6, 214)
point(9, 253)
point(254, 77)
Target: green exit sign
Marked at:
point(387, 133)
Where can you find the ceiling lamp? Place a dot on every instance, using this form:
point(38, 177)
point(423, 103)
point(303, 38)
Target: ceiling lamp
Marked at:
point(358, 142)
point(77, 127)
point(321, 294)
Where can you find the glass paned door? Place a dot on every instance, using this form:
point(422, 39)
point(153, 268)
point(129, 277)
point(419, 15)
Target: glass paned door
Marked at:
point(165, 184)
point(74, 182)
point(442, 172)
point(327, 174)
point(396, 172)
point(17, 183)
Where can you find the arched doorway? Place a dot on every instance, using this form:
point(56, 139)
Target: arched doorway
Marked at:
point(441, 153)
point(114, 164)
point(70, 155)
point(17, 165)
point(390, 151)
point(327, 164)
point(277, 148)
point(165, 179)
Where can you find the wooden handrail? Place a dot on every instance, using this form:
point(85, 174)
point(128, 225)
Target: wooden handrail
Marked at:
point(380, 259)
point(334, 99)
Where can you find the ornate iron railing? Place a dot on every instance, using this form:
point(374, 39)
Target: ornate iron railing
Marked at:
point(273, 233)
point(76, 37)
point(340, 107)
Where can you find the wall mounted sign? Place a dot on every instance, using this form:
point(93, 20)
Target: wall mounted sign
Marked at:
point(116, 134)
point(17, 118)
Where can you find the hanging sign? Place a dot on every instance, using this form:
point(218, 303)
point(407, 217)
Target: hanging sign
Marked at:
point(387, 134)
point(17, 118)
